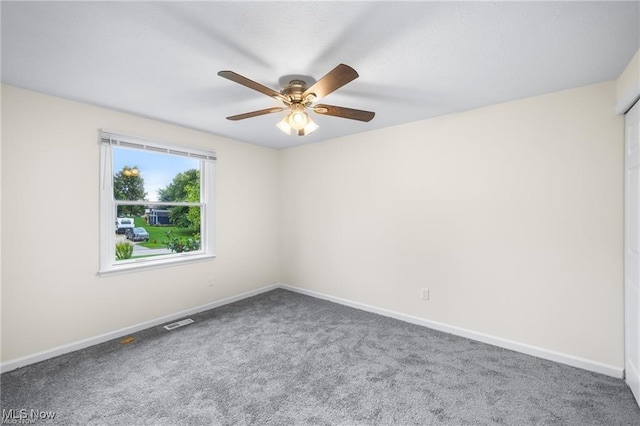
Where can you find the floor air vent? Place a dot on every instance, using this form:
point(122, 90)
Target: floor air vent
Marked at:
point(178, 324)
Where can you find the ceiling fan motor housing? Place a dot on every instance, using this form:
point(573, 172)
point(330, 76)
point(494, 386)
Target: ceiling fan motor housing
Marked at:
point(294, 90)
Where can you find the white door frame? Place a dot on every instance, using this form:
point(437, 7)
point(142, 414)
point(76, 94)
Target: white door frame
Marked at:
point(632, 249)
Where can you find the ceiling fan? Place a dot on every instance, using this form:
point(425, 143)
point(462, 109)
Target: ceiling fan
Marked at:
point(297, 98)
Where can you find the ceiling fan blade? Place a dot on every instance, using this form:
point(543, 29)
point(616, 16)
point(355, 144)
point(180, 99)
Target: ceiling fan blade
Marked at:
point(350, 113)
point(237, 78)
point(333, 80)
point(254, 113)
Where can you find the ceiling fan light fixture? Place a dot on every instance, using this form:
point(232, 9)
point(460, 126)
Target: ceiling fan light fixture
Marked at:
point(284, 125)
point(310, 127)
point(298, 118)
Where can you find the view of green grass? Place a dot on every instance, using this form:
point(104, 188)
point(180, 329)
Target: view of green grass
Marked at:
point(158, 234)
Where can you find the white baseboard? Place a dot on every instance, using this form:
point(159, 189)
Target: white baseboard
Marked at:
point(550, 355)
point(485, 338)
point(60, 350)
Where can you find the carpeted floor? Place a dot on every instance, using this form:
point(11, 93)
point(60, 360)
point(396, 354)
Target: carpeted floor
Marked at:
point(282, 358)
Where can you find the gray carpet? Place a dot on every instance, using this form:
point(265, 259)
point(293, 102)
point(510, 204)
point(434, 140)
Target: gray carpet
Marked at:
point(282, 358)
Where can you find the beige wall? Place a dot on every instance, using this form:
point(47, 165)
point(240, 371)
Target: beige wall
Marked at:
point(628, 84)
point(511, 215)
point(51, 295)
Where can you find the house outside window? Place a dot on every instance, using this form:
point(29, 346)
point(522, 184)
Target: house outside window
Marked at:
point(156, 203)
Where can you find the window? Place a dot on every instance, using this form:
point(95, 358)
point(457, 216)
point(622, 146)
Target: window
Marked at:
point(156, 203)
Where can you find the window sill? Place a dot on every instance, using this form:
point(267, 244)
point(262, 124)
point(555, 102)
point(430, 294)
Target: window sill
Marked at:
point(148, 264)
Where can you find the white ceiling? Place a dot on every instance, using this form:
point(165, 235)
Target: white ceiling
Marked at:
point(415, 59)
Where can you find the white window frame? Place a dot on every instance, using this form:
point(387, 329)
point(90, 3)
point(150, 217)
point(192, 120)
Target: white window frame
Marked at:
point(108, 264)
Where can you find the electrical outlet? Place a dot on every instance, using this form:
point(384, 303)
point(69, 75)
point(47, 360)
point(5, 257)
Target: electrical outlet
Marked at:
point(210, 282)
point(424, 293)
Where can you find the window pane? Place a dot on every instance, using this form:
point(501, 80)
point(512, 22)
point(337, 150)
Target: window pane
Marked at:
point(144, 175)
point(155, 196)
point(158, 231)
